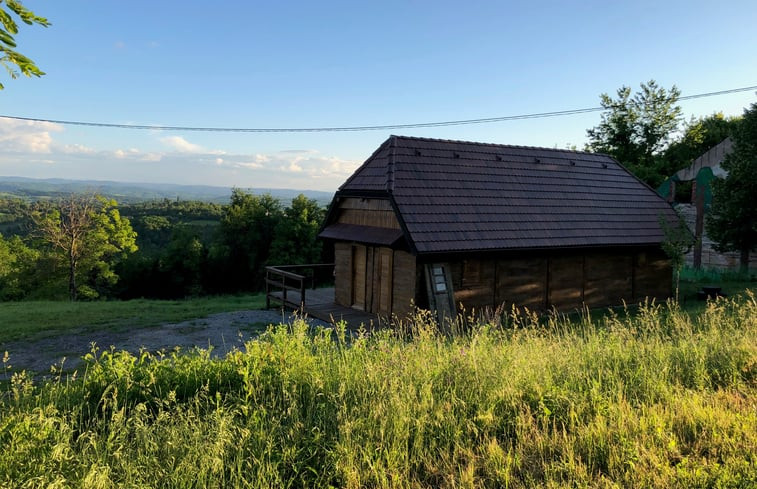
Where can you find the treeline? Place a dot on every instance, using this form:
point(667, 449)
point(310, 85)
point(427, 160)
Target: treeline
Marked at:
point(646, 132)
point(158, 249)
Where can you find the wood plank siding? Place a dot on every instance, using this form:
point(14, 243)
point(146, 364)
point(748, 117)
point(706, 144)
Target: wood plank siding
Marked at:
point(564, 281)
point(343, 273)
point(367, 212)
point(523, 282)
point(404, 277)
point(359, 279)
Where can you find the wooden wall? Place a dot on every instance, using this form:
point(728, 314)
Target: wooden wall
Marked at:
point(385, 281)
point(652, 275)
point(405, 283)
point(522, 282)
point(343, 274)
point(367, 212)
point(565, 281)
point(377, 279)
point(366, 275)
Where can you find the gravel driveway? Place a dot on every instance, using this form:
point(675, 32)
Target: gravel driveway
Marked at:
point(223, 331)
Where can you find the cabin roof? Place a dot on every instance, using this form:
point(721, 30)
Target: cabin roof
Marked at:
point(455, 196)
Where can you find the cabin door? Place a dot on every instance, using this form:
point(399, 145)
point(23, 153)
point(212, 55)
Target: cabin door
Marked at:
point(384, 281)
point(358, 277)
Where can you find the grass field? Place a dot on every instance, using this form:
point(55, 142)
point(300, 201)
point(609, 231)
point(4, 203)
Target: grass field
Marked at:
point(661, 398)
point(29, 320)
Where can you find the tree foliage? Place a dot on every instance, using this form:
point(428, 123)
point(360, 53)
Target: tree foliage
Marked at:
point(88, 234)
point(295, 242)
point(678, 241)
point(14, 62)
point(700, 134)
point(18, 275)
point(247, 230)
point(732, 222)
point(186, 248)
point(636, 128)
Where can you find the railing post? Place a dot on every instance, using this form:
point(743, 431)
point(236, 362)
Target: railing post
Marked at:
point(302, 294)
point(283, 290)
point(267, 290)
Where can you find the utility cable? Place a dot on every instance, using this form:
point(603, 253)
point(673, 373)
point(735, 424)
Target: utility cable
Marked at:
point(486, 120)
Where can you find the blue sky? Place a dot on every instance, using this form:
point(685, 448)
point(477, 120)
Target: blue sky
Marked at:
point(313, 64)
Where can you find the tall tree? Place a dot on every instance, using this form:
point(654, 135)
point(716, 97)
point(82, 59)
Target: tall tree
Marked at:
point(13, 61)
point(699, 135)
point(89, 234)
point(635, 128)
point(732, 222)
point(246, 232)
point(295, 242)
point(17, 268)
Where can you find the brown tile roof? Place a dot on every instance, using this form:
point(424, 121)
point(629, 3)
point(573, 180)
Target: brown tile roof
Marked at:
point(464, 196)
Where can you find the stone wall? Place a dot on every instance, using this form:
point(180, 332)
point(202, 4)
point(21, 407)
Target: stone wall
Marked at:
point(710, 257)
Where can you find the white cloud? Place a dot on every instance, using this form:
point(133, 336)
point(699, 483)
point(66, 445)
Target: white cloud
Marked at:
point(133, 154)
point(30, 149)
point(180, 144)
point(292, 167)
point(27, 136)
point(76, 149)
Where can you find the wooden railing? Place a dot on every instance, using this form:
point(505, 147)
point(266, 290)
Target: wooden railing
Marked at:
point(284, 285)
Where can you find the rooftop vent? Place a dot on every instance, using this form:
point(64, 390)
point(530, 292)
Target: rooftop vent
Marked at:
point(417, 152)
point(499, 157)
point(572, 163)
point(537, 160)
point(604, 165)
point(456, 155)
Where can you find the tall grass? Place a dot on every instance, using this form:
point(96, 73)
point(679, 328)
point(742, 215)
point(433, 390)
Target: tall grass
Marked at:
point(656, 399)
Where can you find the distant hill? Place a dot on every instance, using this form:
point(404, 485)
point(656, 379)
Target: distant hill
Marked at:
point(50, 188)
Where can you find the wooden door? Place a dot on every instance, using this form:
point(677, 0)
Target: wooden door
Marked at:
point(385, 281)
point(358, 277)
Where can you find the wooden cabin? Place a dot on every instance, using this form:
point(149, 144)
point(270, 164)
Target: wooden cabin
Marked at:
point(444, 224)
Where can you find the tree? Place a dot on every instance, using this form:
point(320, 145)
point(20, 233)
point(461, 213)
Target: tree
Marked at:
point(89, 234)
point(9, 57)
point(636, 129)
point(678, 241)
point(732, 221)
point(699, 135)
point(246, 232)
point(17, 268)
point(295, 242)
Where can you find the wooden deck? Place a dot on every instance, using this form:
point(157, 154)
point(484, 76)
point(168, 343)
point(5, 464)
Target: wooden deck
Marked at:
point(319, 303)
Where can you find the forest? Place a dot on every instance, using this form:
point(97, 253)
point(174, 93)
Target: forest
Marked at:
point(90, 247)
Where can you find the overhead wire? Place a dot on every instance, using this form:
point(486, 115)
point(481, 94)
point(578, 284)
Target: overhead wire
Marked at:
point(484, 120)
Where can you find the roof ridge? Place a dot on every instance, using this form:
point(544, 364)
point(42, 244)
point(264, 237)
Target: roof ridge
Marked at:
point(390, 165)
point(365, 163)
point(495, 145)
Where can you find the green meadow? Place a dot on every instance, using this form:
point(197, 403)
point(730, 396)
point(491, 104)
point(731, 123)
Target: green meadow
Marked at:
point(30, 320)
point(662, 397)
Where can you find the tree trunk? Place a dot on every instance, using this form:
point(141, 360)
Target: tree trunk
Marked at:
point(72, 277)
point(744, 261)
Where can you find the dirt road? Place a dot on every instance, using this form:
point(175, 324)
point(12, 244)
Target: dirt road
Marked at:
point(223, 332)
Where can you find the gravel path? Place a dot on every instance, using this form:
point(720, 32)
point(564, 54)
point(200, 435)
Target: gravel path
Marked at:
point(223, 332)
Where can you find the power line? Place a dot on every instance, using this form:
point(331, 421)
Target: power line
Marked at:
point(486, 120)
